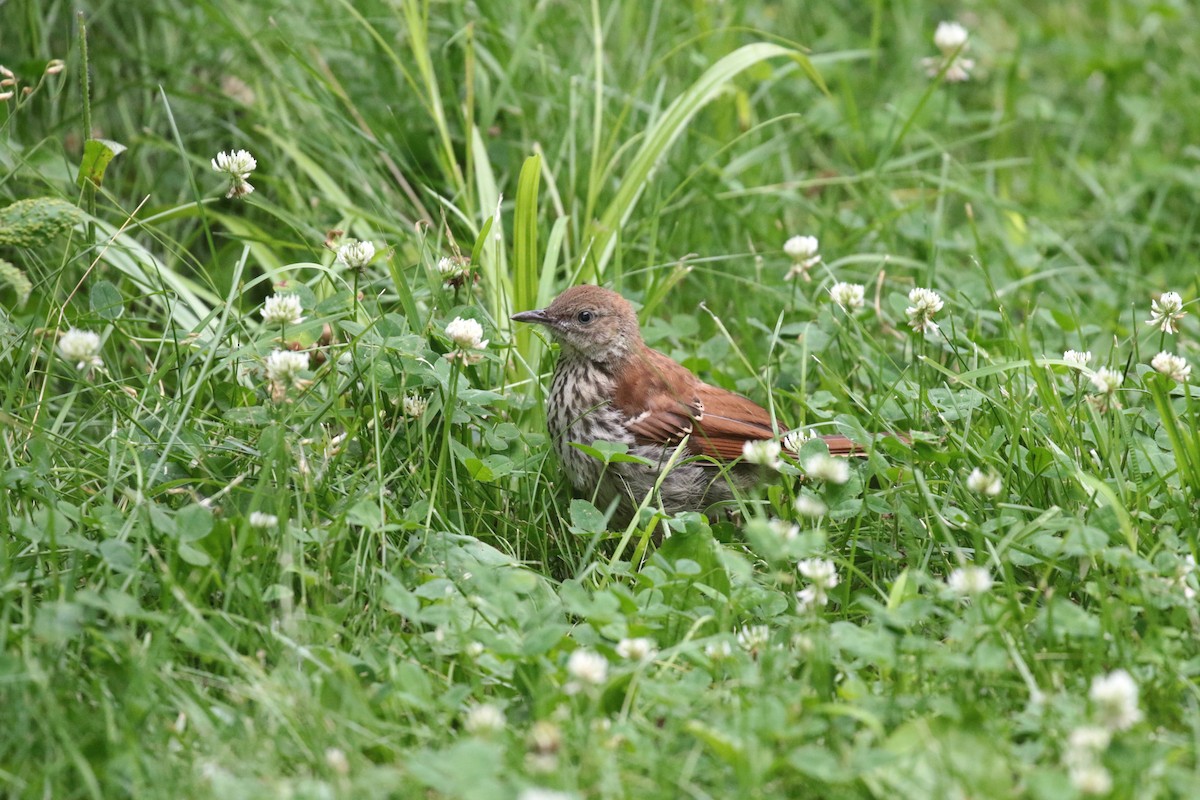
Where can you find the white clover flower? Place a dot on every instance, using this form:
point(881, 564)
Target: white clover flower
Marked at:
point(950, 38)
point(474, 649)
point(284, 367)
point(823, 576)
point(1076, 359)
point(1088, 740)
point(802, 248)
point(1166, 311)
point(719, 650)
point(484, 719)
point(587, 666)
point(1174, 367)
point(414, 405)
point(261, 519)
point(335, 759)
point(794, 439)
point(809, 598)
point(827, 468)
point(237, 166)
point(753, 637)
point(1090, 779)
point(925, 303)
point(535, 793)
point(784, 530)
point(805, 252)
point(80, 347)
point(467, 336)
point(1115, 697)
point(453, 268)
point(355, 254)
point(981, 482)
point(282, 309)
point(820, 571)
point(1106, 381)
point(545, 736)
point(237, 163)
point(850, 296)
point(969, 581)
point(761, 451)
point(809, 506)
point(639, 649)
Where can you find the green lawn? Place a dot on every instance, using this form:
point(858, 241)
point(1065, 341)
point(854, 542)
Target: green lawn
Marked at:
point(303, 553)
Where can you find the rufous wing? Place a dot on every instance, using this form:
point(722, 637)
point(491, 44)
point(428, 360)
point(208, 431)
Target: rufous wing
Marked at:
point(657, 397)
point(663, 402)
point(727, 422)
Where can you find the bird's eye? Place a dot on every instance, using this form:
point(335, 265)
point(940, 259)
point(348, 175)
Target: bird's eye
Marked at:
point(585, 317)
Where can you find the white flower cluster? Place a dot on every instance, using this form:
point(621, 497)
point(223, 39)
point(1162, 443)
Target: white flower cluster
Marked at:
point(809, 506)
point(1085, 746)
point(851, 297)
point(467, 338)
point(950, 39)
point(1174, 367)
point(753, 638)
point(81, 348)
point(764, 452)
point(805, 254)
point(1115, 700)
point(355, 254)
point(282, 309)
point(484, 719)
point(987, 483)
point(414, 405)
point(1115, 708)
point(453, 268)
point(822, 576)
point(1106, 380)
point(262, 519)
point(237, 166)
point(639, 649)
point(969, 581)
point(794, 439)
point(827, 468)
point(283, 372)
point(1166, 311)
point(1076, 359)
point(587, 667)
point(925, 303)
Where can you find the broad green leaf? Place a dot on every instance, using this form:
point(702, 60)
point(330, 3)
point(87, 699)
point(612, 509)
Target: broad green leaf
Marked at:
point(97, 153)
point(193, 555)
point(105, 300)
point(193, 522)
point(586, 518)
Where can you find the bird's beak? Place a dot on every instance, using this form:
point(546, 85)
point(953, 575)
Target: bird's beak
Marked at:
point(538, 316)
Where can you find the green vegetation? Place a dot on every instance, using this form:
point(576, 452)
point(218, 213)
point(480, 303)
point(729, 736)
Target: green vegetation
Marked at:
point(350, 568)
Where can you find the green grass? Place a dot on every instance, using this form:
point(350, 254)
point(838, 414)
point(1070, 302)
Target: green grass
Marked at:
point(157, 642)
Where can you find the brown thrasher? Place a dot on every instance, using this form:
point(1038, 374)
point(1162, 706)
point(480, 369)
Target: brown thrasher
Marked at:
point(609, 386)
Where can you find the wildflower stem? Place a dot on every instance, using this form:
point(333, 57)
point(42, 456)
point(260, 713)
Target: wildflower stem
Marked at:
point(89, 189)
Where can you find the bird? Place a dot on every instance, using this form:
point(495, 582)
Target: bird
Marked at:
point(609, 386)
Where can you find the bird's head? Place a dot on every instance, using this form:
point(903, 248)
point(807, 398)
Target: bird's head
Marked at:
point(590, 322)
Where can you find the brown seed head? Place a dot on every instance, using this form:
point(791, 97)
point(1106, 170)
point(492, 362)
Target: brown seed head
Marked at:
point(590, 322)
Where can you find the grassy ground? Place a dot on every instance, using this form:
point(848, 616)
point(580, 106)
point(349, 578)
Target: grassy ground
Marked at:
point(215, 586)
